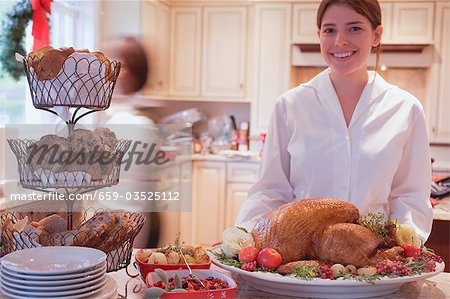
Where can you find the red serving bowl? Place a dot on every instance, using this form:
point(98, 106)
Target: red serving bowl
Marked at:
point(229, 292)
point(145, 268)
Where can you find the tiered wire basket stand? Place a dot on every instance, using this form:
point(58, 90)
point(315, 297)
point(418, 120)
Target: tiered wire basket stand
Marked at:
point(80, 90)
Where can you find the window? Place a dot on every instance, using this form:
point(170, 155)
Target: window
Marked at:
point(72, 23)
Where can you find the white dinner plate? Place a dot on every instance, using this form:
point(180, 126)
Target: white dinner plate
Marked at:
point(32, 277)
point(321, 288)
point(93, 280)
point(58, 294)
point(107, 292)
point(53, 260)
point(54, 283)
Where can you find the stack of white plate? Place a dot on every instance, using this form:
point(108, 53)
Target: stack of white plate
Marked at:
point(64, 272)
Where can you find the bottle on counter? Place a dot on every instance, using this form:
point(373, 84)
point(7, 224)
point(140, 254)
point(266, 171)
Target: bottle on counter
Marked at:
point(244, 137)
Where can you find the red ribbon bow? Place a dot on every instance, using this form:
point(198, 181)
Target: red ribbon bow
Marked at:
point(41, 29)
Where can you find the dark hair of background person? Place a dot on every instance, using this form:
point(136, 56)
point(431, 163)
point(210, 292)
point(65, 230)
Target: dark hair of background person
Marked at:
point(134, 70)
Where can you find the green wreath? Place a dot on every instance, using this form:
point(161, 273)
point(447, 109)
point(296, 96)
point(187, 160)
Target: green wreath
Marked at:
point(12, 37)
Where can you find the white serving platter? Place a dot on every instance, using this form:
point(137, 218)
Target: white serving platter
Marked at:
point(321, 288)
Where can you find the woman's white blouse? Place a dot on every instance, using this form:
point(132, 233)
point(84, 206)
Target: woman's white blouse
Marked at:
point(380, 162)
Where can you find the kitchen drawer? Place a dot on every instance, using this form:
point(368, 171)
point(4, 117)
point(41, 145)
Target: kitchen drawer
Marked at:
point(242, 172)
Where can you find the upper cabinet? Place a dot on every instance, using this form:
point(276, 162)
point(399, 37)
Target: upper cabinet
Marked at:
point(403, 22)
point(155, 32)
point(412, 22)
point(304, 28)
point(208, 52)
point(224, 38)
point(185, 52)
point(440, 89)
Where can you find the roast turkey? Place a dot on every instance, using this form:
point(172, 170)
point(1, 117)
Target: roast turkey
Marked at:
point(320, 229)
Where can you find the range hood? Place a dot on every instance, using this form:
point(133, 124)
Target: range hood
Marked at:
point(392, 55)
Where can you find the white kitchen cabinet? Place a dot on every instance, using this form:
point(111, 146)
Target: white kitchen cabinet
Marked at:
point(386, 20)
point(272, 61)
point(208, 202)
point(412, 22)
point(155, 32)
point(185, 51)
point(440, 89)
point(403, 22)
point(218, 190)
point(236, 195)
point(224, 51)
point(240, 178)
point(304, 27)
point(208, 52)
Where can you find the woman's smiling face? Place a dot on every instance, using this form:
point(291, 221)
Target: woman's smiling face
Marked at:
point(346, 39)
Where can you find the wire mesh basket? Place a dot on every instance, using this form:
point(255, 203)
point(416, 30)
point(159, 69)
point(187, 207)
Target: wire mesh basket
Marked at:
point(113, 232)
point(51, 166)
point(83, 80)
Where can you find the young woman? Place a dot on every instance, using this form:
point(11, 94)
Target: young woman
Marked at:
point(347, 133)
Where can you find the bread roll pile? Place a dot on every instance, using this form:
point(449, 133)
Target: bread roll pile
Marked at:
point(70, 77)
point(91, 157)
point(106, 230)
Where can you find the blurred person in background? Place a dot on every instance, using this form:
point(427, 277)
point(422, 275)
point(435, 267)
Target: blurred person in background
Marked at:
point(134, 64)
point(132, 77)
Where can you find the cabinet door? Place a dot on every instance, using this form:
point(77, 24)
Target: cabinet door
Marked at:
point(224, 49)
point(185, 51)
point(208, 202)
point(272, 61)
point(304, 23)
point(236, 194)
point(441, 88)
point(386, 19)
point(155, 37)
point(413, 22)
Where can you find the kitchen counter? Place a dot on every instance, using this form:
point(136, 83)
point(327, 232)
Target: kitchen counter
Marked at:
point(436, 287)
point(226, 158)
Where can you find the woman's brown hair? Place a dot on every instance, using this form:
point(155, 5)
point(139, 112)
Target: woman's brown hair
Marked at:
point(368, 8)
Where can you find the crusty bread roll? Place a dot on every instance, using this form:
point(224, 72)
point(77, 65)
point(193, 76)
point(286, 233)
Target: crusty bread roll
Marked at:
point(109, 72)
point(114, 238)
point(75, 237)
point(50, 63)
point(53, 223)
point(47, 62)
point(51, 147)
point(106, 230)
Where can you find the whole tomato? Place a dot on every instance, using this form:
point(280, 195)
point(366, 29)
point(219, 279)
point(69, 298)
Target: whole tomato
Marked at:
point(248, 254)
point(269, 258)
point(410, 250)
